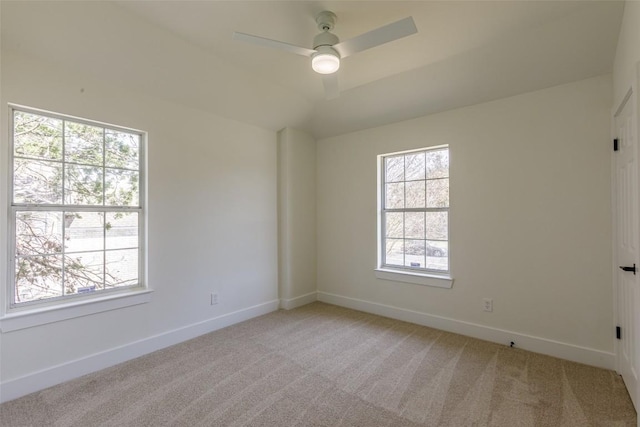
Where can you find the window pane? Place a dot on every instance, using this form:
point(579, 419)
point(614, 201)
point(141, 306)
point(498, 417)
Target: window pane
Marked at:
point(37, 182)
point(437, 255)
point(437, 225)
point(83, 272)
point(414, 253)
point(394, 169)
point(38, 233)
point(394, 196)
point(37, 136)
point(38, 278)
point(122, 230)
point(414, 225)
point(83, 231)
point(436, 249)
point(438, 193)
point(83, 185)
point(394, 224)
point(121, 188)
point(394, 251)
point(122, 150)
point(122, 268)
point(415, 166)
point(437, 164)
point(83, 144)
point(415, 194)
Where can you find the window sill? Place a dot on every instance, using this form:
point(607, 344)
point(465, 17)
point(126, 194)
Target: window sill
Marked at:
point(415, 278)
point(29, 318)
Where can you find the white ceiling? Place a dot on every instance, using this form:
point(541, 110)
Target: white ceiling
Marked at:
point(464, 53)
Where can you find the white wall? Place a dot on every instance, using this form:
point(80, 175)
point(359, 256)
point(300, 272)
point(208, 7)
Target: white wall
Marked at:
point(530, 220)
point(627, 52)
point(297, 217)
point(212, 224)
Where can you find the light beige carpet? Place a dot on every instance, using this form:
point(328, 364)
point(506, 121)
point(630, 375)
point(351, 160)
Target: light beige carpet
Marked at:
point(321, 365)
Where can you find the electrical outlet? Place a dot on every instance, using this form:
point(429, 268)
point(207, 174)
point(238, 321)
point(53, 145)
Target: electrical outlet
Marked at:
point(214, 298)
point(487, 304)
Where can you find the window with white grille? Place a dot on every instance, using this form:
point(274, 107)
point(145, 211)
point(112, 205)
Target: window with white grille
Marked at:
point(414, 214)
point(77, 208)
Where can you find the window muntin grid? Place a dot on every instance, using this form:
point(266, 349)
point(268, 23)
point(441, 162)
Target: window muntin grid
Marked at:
point(76, 221)
point(414, 231)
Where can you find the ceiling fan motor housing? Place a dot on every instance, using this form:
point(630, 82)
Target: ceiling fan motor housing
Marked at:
point(325, 38)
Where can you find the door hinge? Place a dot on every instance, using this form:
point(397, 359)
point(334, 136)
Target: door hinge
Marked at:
point(615, 144)
point(618, 332)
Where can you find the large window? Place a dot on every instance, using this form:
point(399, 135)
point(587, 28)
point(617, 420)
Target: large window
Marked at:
point(76, 220)
point(414, 217)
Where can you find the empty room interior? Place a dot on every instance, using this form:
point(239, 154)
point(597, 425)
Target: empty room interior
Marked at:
point(373, 213)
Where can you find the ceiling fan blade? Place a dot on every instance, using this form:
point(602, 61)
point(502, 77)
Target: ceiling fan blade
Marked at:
point(396, 30)
point(261, 41)
point(331, 87)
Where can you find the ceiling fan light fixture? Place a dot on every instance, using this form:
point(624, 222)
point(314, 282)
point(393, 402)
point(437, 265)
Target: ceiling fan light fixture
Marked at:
point(325, 60)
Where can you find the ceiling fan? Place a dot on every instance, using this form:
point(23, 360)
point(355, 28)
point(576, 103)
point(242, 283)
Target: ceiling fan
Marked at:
point(328, 50)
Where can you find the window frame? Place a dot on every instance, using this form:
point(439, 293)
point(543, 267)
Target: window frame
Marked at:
point(64, 306)
point(408, 274)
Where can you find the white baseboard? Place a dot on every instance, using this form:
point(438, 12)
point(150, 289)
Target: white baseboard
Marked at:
point(305, 299)
point(587, 356)
point(12, 389)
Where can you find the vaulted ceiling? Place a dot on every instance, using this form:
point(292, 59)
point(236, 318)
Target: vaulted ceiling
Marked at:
point(465, 52)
